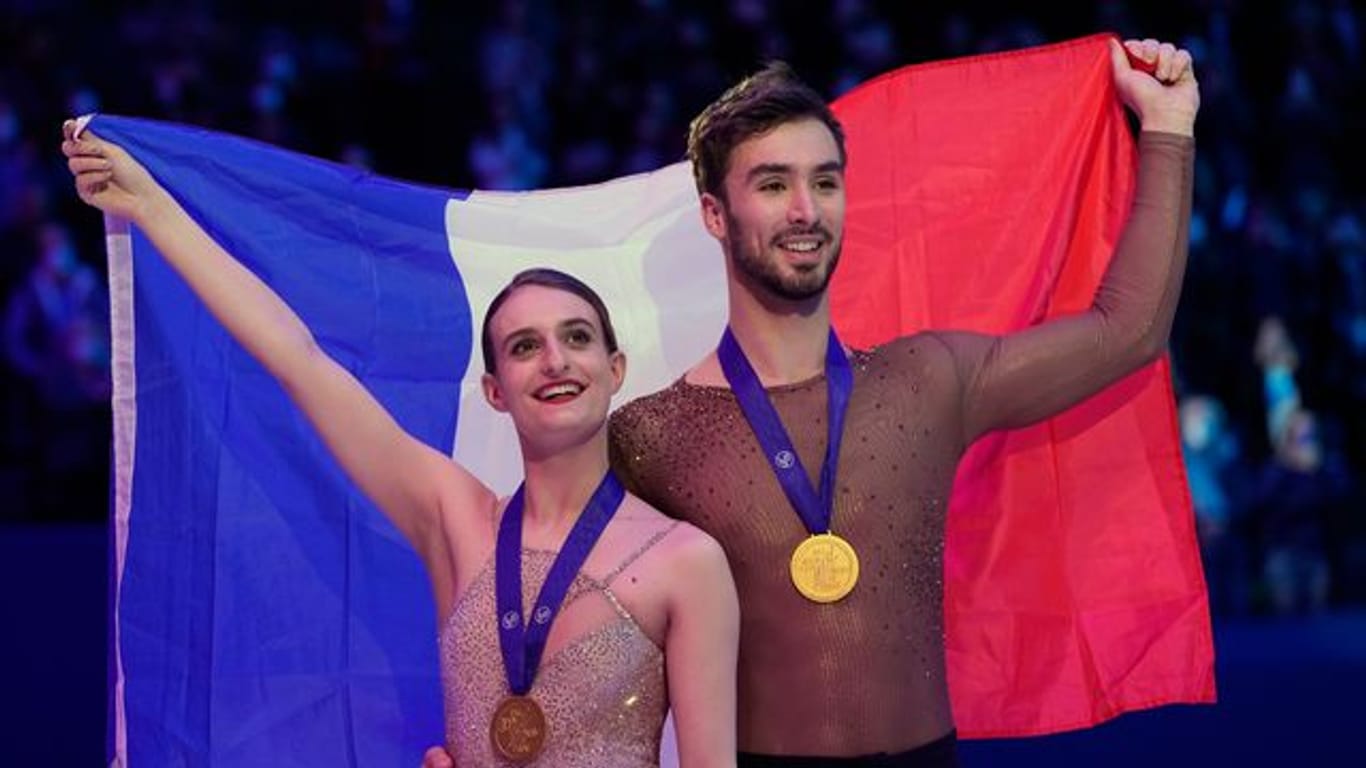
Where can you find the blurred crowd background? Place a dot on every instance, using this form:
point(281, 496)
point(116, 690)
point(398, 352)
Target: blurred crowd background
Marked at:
point(1269, 350)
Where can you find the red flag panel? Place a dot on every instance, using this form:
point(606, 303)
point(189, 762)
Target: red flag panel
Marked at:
point(987, 194)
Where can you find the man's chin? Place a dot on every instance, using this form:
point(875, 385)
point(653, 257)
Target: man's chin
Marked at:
point(797, 293)
point(788, 280)
point(802, 284)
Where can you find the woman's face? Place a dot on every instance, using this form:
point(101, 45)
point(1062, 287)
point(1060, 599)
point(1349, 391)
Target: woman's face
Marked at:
point(553, 373)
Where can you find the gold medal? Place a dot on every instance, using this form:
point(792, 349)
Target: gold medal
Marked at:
point(824, 568)
point(518, 730)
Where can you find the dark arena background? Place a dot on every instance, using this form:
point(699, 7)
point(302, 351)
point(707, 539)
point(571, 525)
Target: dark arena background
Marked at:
point(522, 94)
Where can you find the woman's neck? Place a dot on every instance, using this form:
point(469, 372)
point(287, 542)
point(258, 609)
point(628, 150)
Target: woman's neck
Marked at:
point(558, 486)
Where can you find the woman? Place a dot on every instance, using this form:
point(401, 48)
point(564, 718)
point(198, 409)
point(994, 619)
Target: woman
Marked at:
point(556, 606)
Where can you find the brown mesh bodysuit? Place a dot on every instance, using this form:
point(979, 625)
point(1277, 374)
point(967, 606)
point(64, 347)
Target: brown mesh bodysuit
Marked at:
point(867, 674)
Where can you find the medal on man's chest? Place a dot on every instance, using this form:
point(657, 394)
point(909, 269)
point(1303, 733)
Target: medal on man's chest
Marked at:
point(824, 568)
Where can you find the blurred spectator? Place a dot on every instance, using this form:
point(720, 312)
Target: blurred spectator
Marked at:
point(1300, 490)
point(869, 44)
point(55, 335)
point(1303, 489)
point(507, 158)
point(1277, 358)
point(1214, 468)
point(55, 326)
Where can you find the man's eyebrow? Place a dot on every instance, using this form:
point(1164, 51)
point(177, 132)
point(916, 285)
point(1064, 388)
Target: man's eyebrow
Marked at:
point(764, 169)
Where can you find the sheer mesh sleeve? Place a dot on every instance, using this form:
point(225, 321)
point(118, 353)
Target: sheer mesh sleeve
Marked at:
point(1016, 379)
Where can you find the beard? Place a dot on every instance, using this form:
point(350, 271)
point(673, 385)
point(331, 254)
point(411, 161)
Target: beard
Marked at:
point(801, 284)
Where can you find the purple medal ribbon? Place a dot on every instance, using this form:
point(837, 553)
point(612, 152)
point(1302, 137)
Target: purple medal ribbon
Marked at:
point(815, 510)
point(522, 645)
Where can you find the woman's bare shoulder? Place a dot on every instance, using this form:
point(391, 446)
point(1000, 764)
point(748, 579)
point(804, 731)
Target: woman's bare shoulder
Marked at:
point(682, 547)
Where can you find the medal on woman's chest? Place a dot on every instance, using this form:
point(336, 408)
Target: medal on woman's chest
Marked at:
point(824, 567)
point(519, 729)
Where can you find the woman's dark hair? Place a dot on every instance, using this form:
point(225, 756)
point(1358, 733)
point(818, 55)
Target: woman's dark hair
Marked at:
point(546, 278)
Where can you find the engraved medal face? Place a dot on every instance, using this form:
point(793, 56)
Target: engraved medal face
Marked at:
point(824, 568)
point(518, 730)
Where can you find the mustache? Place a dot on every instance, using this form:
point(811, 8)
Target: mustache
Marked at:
point(816, 229)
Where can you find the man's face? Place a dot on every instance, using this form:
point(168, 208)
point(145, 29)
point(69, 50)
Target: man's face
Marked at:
point(782, 220)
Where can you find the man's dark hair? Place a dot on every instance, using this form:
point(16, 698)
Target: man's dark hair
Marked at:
point(546, 278)
point(759, 103)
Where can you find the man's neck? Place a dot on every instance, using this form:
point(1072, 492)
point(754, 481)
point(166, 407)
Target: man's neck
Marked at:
point(784, 342)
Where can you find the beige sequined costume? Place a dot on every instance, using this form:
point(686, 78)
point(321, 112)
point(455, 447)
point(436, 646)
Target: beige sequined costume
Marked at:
point(867, 674)
point(600, 683)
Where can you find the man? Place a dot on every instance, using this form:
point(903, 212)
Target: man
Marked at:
point(782, 438)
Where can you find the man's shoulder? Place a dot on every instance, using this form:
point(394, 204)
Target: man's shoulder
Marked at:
point(653, 408)
point(672, 411)
point(645, 431)
point(647, 402)
point(918, 347)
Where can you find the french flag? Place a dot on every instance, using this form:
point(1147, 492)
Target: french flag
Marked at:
point(265, 613)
